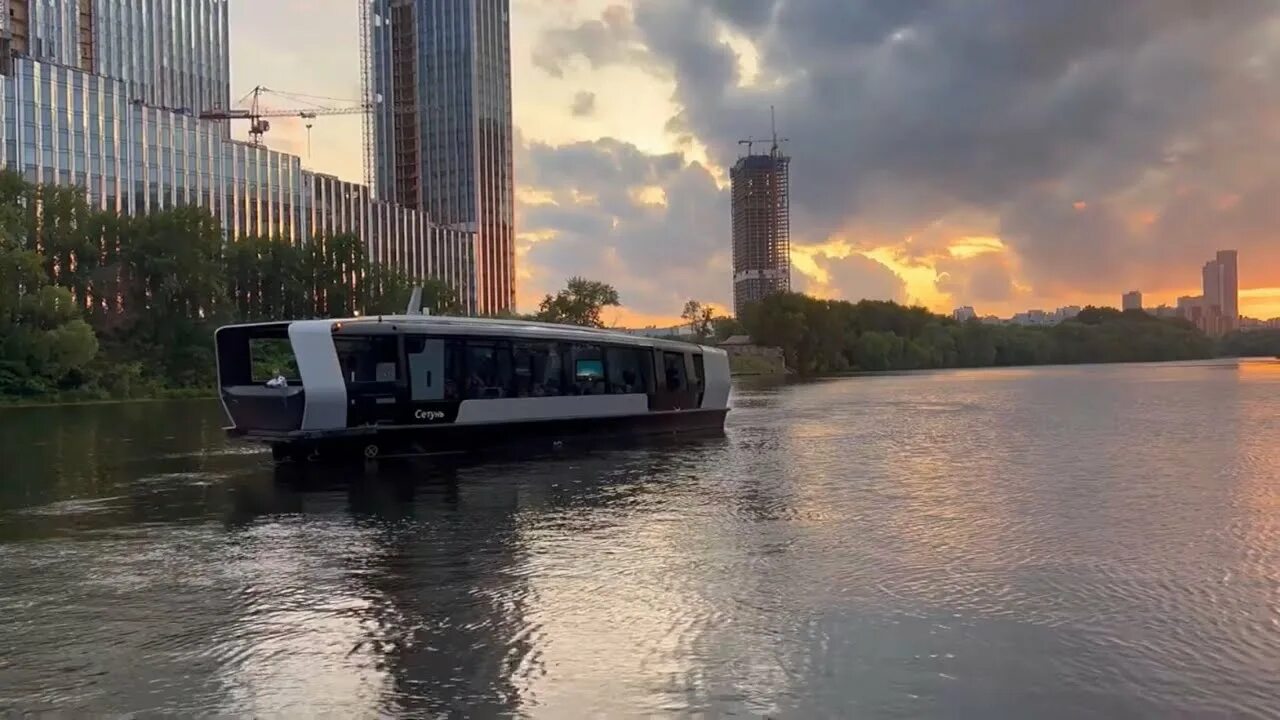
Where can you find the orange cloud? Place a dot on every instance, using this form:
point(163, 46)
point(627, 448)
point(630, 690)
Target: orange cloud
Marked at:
point(1261, 303)
point(967, 247)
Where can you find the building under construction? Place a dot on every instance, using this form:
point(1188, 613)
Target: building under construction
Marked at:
point(761, 226)
point(444, 143)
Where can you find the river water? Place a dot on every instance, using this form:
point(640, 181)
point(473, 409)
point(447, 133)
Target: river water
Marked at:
point(1051, 542)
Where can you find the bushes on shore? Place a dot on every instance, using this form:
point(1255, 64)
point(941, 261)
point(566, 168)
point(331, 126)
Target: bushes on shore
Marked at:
point(827, 336)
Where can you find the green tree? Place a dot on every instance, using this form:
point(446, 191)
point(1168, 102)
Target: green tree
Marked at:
point(384, 291)
point(440, 298)
point(824, 336)
point(337, 264)
point(1251, 343)
point(580, 303)
point(700, 318)
point(151, 290)
point(723, 328)
point(779, 321)
point(43, 338)
point(875, 350)
point(175, 295)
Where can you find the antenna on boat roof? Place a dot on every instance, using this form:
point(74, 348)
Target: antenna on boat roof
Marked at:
point(415, 302)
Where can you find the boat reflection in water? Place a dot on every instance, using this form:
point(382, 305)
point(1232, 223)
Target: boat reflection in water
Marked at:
point(423, 596)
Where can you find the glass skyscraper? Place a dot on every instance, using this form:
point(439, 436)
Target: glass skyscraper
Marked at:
point(442, 133)
point(105, 94)
point(169, 53)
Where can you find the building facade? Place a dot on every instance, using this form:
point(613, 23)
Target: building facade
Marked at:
point(168, 53)
point(395, 236)
point(442, 130)
point(1131, 300)
point(61, 124)
point(1220, 304)
point(1229, 282)
point(760, 199)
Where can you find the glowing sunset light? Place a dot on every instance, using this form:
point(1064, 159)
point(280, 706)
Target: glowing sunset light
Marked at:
point(629, 113)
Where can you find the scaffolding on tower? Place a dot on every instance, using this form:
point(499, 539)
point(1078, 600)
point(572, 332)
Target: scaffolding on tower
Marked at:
point(367, 94)
point(760, 199)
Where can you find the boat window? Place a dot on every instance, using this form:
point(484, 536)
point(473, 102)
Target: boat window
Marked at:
point(537, 369)
point(676, 376)
point(373, 358)
point(435, 367)
point(587, 364)
point(629, 370)
point(489, 371)
point(272, 358)
point(699, 376)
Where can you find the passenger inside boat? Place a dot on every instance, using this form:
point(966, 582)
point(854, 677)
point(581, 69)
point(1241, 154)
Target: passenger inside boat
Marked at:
point(628, 384)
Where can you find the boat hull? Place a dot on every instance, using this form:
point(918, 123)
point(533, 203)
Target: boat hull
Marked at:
point(389, 441)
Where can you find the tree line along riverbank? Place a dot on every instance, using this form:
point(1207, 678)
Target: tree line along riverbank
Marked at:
point(833, 336)
point(98, 306)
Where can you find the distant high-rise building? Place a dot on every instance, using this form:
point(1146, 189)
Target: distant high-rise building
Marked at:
point(1221, 305)
point(964, 314)
point(1229, 282)
point(761, 207)
point(1212, 275)
point(1131, 300)
point(441, 137)
point(1034, 317)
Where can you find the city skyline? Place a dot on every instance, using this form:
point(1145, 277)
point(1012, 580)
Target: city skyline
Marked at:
point(623, 144)
point(1215, 310)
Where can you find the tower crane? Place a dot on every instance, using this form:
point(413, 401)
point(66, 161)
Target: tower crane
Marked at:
point(776, 146)
point(258, 116)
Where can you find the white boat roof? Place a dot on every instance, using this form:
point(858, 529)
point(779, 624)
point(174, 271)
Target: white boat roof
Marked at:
point(448, 325)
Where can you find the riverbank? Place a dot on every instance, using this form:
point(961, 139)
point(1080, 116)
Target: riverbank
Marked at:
point(75, 399)
point(740, 367)
point(756, 366)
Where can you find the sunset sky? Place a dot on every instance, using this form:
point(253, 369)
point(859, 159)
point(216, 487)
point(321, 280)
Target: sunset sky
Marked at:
point(1002, 154)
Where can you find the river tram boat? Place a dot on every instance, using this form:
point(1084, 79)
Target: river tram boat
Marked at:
point(424, 385)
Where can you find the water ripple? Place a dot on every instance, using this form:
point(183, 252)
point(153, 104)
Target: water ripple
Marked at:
point(1059, 542)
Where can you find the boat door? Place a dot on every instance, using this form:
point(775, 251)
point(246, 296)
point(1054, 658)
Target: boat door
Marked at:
point(675, 389)
point(434, 369)
point(375, 385)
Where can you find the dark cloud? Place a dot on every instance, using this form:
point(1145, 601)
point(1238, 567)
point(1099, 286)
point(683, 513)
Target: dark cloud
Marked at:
point(652, 225)
point(984, 278)
point(612, 39)
point(746, 15)
point(584, 104)
point(858, 277)
point(907, 111)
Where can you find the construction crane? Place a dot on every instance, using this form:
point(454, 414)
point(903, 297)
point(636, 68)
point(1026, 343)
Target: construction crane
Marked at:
point(258, 116)
point(777, 141)
point(776, 146)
